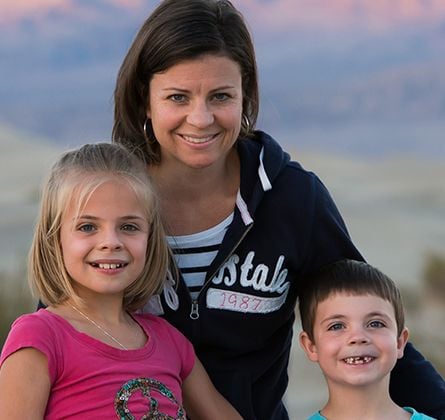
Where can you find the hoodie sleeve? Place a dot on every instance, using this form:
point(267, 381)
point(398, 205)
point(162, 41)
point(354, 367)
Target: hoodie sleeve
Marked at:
point(329, 240)
point(414, 381)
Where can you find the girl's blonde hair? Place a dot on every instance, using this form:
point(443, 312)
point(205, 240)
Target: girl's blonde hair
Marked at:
point(72, 180)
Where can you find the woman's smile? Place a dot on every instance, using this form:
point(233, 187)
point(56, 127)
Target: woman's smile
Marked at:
point(195, 108)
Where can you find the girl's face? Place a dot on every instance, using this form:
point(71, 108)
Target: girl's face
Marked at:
point(195, 109)
point(104, 248)
point(355, 339)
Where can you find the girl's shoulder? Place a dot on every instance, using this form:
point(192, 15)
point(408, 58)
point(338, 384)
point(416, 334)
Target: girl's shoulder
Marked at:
point(160, 328)
point(34, 323)
point(169, 341)
point(37, 330)
point(155, 322)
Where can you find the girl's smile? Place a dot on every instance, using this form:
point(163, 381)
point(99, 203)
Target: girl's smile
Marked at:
point(104, 247)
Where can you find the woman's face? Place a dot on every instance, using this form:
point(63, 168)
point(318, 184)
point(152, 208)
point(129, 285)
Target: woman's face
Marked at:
point(195, 109)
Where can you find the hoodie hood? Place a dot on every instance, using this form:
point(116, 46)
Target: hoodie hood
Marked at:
point(263, 161)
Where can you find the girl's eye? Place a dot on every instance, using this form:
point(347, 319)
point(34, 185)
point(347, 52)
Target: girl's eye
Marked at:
point(336, 326)
point(130, 228)
point(376, 324)
point(87, 227)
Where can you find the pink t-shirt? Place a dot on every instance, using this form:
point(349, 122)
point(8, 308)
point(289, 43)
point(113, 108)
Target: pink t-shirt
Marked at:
point(90, 379)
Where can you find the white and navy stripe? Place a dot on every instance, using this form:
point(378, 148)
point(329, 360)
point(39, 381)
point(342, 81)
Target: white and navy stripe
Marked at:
point(194, 253)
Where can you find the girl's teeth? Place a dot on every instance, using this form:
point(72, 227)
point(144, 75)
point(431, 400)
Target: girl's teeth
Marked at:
point(109, 266)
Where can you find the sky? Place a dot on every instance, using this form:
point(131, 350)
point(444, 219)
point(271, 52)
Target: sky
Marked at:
point(276, 13)
point(330, 70)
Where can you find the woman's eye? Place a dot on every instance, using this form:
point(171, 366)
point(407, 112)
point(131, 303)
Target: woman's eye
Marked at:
point(335, 327)
point(86, 228)
point(177, 97)
point(376, 324)
point(221, 96)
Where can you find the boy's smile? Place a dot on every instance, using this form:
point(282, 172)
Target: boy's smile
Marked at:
point(355, 339)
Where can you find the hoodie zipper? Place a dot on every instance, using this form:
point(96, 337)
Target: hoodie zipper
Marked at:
point(194, 309)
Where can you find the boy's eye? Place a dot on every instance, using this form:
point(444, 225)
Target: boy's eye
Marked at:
point(376, 324)
point(335, 327)
point(87, 227)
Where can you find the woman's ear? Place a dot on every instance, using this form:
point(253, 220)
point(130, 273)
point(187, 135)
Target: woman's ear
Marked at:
point(401, 342)
point(308, 346)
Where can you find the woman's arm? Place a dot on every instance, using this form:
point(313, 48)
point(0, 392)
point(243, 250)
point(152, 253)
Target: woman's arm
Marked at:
point(415, 383)
point(24, 385)
point(202, 401)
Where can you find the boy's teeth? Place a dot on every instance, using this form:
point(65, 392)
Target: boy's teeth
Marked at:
point(358, 360)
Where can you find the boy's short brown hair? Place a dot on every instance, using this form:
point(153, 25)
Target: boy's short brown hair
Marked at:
point(347, 276)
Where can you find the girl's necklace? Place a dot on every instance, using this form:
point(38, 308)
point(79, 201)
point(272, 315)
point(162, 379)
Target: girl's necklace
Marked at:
point(99, 327)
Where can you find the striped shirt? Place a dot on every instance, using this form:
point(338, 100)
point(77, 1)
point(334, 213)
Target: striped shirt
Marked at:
point(194, 253)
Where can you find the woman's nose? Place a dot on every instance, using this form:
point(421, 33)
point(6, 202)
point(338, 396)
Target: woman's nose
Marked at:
point(200, 115)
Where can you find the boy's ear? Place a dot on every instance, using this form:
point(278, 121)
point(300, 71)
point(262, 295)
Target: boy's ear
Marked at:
point(401, 342)
point(308, 346)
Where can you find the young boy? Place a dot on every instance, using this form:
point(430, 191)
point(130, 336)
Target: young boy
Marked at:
point(353, 326)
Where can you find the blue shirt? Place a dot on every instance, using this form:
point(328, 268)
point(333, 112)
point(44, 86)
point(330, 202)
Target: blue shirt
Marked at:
point(415, 415)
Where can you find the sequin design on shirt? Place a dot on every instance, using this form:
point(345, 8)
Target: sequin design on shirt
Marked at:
point(146, 386)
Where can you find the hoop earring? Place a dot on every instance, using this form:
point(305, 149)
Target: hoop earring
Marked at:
point(150, 141)
point(246, 121)
point(145, 130)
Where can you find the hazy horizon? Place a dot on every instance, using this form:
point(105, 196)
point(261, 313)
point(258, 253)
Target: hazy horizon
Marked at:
point(358, 77)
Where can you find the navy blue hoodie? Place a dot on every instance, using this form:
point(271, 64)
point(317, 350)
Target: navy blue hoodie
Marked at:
point(285, 227)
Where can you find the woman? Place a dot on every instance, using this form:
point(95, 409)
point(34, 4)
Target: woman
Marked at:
point(245, 222)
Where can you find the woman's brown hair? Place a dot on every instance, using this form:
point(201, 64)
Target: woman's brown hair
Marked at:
point(179, 30)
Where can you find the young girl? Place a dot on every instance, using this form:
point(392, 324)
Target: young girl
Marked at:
point(97, 256)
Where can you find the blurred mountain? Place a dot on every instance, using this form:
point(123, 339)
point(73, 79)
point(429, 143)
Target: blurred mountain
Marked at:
point(24, 161)
point(356, 79)
point(393, 206)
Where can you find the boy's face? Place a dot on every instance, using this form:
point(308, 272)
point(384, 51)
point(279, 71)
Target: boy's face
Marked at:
point(355, 339)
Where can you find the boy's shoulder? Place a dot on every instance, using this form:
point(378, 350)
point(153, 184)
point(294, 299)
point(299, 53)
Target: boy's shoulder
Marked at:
point(316, 416)
point(414, 415)
point(417, 416)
